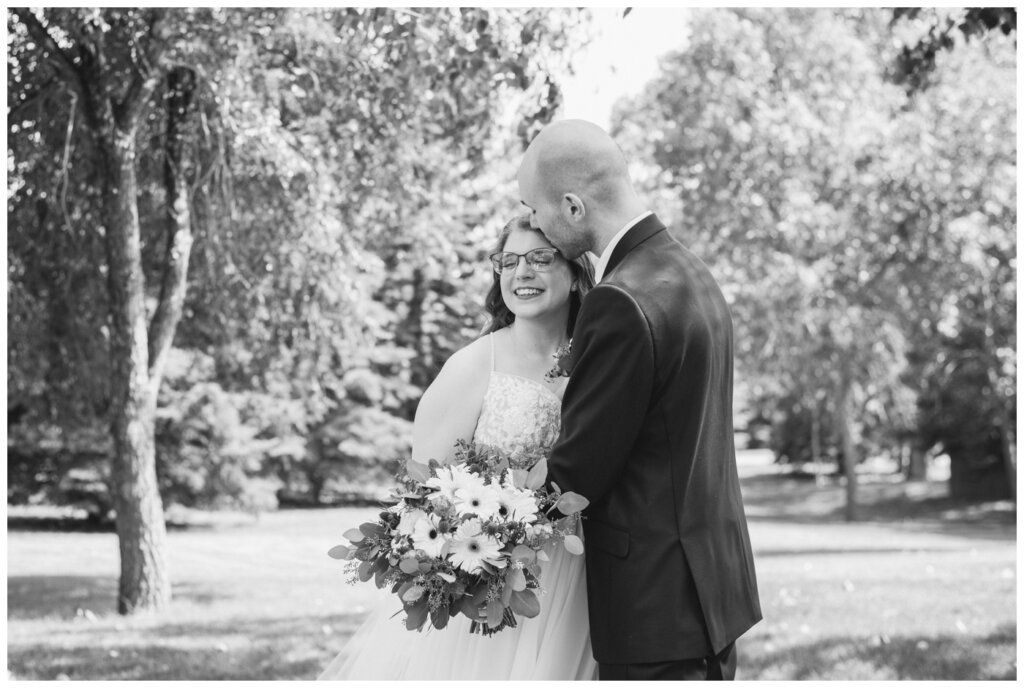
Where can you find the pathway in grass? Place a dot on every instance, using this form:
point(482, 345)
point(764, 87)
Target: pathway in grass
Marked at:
point(927, 597)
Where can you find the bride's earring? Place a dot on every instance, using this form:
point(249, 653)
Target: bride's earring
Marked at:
point(574, 287)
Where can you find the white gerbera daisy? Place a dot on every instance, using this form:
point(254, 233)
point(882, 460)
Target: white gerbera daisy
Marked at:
point(470, 548)
point(408, 521)
point(515, 504)
point(480, 499)
point(448, 479)
point(427, 537)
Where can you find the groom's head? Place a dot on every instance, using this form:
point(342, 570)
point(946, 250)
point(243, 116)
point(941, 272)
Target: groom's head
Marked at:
point(575, 181)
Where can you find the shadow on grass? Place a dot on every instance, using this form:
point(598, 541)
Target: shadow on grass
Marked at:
point(69, 524)
point(943, 657)
point(158, 663)
point(925, 506)
point(59, 524)
point(827, 551)
point(40, 597)
point(254, 649)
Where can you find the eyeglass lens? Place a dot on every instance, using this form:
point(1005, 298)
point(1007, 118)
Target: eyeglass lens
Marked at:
point(537, 259)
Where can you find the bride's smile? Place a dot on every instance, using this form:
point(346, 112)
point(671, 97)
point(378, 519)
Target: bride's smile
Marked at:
point(535, 278)
point(527, 292)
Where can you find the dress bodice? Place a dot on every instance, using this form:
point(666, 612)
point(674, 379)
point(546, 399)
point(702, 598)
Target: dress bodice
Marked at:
point(519, 417)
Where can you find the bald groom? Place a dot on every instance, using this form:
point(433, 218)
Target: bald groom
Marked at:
point(647, 431)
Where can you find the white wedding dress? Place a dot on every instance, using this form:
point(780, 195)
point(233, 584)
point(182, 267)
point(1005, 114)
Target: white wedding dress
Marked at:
point(521, 417)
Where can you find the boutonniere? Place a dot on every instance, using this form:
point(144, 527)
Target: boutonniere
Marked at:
point(563, 363)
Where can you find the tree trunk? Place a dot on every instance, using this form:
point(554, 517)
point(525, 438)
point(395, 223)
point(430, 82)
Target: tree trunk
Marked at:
point(1009, 453)
point(917, 467)
point(113, 99)
point(181, 82)
point(844, 422)
point(144, 583)
point(1007, 446)
point(819, 474)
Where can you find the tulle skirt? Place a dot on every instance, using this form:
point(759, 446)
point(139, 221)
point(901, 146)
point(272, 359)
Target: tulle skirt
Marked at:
point(554, 645)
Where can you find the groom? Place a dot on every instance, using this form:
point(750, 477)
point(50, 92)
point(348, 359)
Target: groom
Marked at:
point(646, 423)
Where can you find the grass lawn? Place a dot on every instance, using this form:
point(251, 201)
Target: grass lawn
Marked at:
point(924, 588)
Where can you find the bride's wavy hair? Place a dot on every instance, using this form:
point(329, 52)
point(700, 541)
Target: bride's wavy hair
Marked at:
point(582, 273)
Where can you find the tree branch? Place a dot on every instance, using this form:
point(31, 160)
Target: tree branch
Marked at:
point(61, 60)
point(181, 84)
point(146, 74)
point(30, 99)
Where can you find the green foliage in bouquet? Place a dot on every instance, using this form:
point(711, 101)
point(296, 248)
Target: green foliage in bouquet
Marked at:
point(466, 538)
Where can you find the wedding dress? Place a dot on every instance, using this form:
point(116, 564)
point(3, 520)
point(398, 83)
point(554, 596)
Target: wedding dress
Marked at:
point(520, 417)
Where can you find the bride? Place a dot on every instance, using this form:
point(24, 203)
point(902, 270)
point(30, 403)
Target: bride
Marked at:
point(494, 393)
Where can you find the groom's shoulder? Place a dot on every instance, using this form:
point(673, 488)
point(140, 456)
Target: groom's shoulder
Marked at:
point(647, 265)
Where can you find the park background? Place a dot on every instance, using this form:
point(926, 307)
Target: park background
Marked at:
point(242, 241)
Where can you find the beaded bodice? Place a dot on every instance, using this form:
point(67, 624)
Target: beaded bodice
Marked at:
point(519, 417)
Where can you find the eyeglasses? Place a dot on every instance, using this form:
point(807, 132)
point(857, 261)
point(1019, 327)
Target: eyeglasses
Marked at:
point(538, 259)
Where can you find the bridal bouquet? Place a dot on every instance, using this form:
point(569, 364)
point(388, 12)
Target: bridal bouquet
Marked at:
point(466, 537)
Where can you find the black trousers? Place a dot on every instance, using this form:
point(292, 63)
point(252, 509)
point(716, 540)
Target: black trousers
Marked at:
point(720, 667)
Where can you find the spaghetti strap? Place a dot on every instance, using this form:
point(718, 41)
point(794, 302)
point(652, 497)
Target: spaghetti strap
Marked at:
point(491, 337)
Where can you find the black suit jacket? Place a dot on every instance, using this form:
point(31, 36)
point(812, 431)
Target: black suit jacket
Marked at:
point(647, 437)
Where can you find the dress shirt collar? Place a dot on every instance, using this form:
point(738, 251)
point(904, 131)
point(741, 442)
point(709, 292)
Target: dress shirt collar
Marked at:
point(602, 262)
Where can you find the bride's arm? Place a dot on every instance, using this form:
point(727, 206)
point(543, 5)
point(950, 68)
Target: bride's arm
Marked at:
point(450, 406)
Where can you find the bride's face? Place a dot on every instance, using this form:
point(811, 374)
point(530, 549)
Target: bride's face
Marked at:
point(532, 291)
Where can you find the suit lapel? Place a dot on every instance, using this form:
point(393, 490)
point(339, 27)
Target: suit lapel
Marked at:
point(639, 233)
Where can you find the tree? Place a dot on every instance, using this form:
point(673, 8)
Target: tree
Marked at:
point(789, 158)
point(250, 173)
point(110, 65)
point(915, 65)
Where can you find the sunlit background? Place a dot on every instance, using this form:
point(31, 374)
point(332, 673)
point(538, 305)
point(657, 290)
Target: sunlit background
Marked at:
point(311, 196)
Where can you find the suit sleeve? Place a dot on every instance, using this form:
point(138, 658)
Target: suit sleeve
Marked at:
point(608, 394)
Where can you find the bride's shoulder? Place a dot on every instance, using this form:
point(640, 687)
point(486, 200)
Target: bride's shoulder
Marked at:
point(450, 406)
point(469, 366)
point(474, 359)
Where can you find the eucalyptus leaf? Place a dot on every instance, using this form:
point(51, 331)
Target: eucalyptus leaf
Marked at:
point(523, 553)
point(416, 615)
point(519, 477)
point(516, 580)
point(379, 564)
point(495, 613)
point(354, 535)
point(417, 470)
point(439, 617)
point(340, 552)
point(469, 608)
point(413, 593)
point(372, 529)
point(537, 475)
point(446, 577)
point(480, 596)
point(573, 544)
point(571, 503)
point(409, 565)
point(525, 603)
point(364, 571)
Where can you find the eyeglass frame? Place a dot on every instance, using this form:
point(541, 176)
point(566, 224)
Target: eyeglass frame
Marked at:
point(499, 268)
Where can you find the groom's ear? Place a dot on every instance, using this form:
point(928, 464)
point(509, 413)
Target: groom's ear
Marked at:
point(573, 207)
